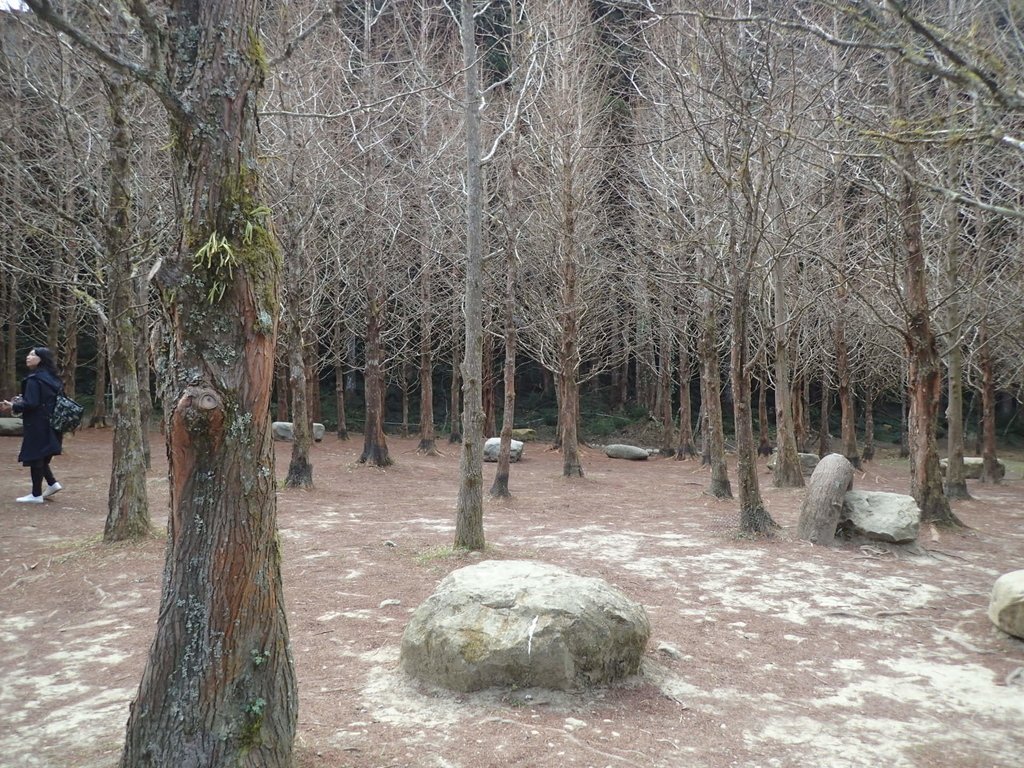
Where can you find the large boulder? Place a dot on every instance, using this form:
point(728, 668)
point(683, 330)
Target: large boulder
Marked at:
point(881, 516)
point(492, 447)
point(631, 452)
point(515, 623)
point(285, 431)
point(1006, 605)
point(10, 426)
point(525, 434)
point(973, 467)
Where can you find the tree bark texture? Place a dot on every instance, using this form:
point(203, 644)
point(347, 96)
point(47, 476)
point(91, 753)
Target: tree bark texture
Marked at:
point(469, 517)
point(787, 473)
point(219, 687)
point(754, 518)
point(499, 488)
point(990, 467)
point(300, 470)
point(711, 403)
point(375, 444)
point(127, 500)
point(822, 507)
point(924, 372)
point(685, 448)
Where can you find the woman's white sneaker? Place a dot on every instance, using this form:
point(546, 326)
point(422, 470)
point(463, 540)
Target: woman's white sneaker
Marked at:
point(52, 489)
point(30, 499)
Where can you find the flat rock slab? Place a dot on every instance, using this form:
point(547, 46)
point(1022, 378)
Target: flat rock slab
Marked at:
point(516, 623)
point(974, 466)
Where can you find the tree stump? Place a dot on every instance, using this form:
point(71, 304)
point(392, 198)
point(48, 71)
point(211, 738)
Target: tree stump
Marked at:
point(819, 516)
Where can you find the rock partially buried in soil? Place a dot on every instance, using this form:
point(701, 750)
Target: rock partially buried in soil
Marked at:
point(1006, 605)
point(515, 623)
point(492, 447)
point(621, 451)
point(891, 517)
point(285, 430)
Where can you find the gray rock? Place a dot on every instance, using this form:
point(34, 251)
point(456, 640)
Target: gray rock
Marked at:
point(808, 461)
point(881, 516)
point(285, 431)
point(493, 446)
point(631, 452)
point(515, 623)
point(973, 467)
point(10, 426)
point(1006, 605)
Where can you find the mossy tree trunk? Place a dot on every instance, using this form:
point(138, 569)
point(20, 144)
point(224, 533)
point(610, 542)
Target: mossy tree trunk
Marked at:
point(219, 686)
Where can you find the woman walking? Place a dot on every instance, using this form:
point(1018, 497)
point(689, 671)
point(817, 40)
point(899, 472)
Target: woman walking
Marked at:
point(39, 442)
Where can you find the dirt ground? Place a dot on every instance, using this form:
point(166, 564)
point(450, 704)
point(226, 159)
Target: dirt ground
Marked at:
point(770, 654)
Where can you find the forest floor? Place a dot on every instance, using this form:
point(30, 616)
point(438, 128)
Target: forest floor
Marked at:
point(763, 653)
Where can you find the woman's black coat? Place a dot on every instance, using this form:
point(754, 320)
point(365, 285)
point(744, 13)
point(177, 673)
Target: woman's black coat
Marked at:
point(39, 394)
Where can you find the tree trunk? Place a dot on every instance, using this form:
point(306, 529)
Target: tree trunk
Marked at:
point(499, 488)
point(455, 436)
point(568, 408)
point(281, 389)
point(924, 373)
point(428, 436)
point(300, 470)
point(469, 517)
point(99, 404)
point(990, 472)
point(848, 414)
point(406, 379)
point(339, 400)
point(822, 507)
point(754, 518)
point(764, 443)
point(668, 431)
point(955, 486)
point(685, 448)
point(788, 472)
point(869, 425)
point(143, 364)
point(825, 414)
point(219, 688)
point(711, 403)
point(375, 444)
point(127, 500)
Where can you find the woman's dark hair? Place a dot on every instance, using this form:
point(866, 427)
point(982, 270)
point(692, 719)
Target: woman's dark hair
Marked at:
point(46, 359)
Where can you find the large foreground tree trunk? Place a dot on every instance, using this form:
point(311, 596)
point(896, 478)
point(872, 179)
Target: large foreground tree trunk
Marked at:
point(219, 687)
